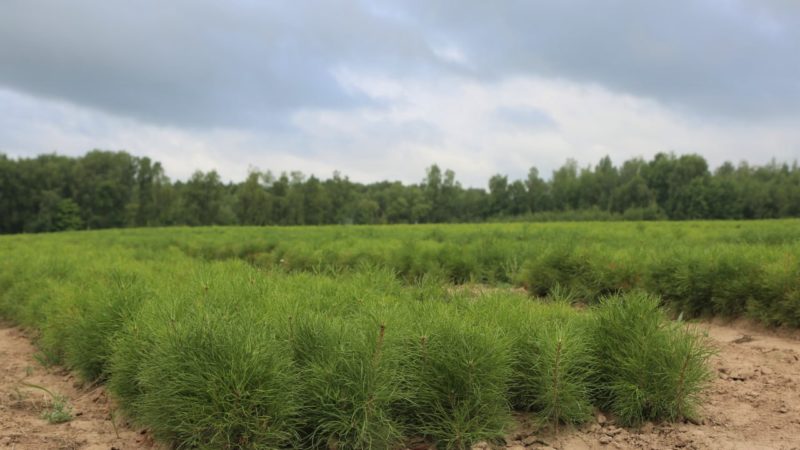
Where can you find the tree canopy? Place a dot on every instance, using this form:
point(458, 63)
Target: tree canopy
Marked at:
point(103, 189)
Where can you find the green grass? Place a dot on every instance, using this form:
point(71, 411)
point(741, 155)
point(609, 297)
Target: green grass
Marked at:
point(356, 337)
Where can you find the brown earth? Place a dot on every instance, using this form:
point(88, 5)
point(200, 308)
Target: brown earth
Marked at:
point(22, 405)
point(753, 404)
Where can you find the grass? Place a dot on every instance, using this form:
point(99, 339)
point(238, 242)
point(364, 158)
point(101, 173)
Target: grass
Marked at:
point(356, 338)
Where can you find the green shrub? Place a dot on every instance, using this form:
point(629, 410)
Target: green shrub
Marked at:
point(459, 377)
point(649, 367)
point(98, 316)
point(350, 383)
point(210, 380)
point(555, 372)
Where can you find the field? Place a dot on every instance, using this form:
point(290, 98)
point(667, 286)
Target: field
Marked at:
point(376, 337)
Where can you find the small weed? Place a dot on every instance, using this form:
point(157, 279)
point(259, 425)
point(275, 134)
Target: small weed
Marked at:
point(59, 411)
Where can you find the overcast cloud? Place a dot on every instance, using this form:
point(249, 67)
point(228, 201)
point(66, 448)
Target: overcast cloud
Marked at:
point(380, 90)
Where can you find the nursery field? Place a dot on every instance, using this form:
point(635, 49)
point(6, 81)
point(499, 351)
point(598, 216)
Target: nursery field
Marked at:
point(393, 336)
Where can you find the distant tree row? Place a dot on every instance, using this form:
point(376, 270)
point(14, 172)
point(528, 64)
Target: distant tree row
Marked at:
point(115, 189)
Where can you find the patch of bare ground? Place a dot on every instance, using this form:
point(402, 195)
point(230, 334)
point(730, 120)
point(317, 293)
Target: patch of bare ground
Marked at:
point(22, 426)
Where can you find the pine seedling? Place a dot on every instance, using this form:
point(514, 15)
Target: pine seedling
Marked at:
point(650, 369)
point(560, 379)
point(350, 383)
point(229, 382)
point(460, 377)
point(689, 352)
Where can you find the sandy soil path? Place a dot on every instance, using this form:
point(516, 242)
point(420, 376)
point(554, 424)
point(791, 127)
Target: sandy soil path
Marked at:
point(21, 424)
point(754, 404)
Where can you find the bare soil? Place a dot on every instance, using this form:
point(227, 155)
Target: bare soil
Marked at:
point(753, 404)
point(21, 406)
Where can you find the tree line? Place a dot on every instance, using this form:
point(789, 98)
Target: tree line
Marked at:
point(105, 189)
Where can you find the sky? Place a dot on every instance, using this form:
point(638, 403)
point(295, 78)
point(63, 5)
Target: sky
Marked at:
point(380, 90)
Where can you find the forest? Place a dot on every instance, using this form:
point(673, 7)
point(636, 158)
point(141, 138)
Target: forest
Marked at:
point(104, 189)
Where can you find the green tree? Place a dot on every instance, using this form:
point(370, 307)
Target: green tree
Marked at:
point(295, 200)
point(103, 187)
point(518, 198)
point(499, 197)
point(279, 189)
point(606, 180)
point(538, 192)
point(420, 206)
point(316, 202)
point(253, 203)
point(150, 204)
point(68, 216)
point(204, 200)
point(564, 186)
point(366, 211)
point(432, 186)
point(633, 194)
point(341, 194)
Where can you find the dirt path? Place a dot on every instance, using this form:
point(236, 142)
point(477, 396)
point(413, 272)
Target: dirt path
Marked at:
point(754, 404)
point(21, 406)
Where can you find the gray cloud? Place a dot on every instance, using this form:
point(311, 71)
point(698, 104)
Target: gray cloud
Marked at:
point(249, 64)
point(203, 63)
point(727, 57)
point(381, 90)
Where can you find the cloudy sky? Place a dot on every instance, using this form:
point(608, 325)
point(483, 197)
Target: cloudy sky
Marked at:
point(381, 90)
